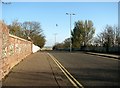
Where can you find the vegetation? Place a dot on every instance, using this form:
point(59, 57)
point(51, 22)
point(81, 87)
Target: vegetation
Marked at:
point(110, 37)
point(82, 33)
point(28, 30)
point(107, 41)
point(64, 45)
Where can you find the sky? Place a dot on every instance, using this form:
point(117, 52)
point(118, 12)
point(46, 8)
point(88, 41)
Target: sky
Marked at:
point(51, 13)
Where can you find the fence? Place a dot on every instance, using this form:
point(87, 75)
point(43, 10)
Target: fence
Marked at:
point(113, 50)
point(12, 50)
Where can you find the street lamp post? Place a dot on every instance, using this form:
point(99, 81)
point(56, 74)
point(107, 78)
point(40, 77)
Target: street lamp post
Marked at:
point(55, 34)
point(55, 38)
point(70, 30)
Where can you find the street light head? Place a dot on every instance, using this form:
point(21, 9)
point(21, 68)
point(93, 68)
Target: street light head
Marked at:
point(73, 14)
point(56, 25)
point(67, 13)
point(6, 2)
point(70, 14)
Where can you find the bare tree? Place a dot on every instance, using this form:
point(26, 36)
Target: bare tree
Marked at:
point(110, 37)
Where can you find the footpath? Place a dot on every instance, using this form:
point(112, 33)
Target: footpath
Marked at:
point(104, 55)
point(36, 71)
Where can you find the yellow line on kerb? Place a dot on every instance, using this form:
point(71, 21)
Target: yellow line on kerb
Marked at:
point(66, 73)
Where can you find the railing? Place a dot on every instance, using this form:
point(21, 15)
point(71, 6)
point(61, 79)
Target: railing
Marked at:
point(12, 50)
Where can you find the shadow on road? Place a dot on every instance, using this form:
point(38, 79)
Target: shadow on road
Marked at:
point(97, 77)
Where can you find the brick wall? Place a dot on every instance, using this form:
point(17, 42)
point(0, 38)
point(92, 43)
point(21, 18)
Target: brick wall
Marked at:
point(12, 50)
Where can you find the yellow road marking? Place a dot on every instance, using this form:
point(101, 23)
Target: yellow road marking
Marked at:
point(66, 73)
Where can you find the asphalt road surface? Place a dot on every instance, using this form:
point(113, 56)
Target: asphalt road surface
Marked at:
point(90, 70)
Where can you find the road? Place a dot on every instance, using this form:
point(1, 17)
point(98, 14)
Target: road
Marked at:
point(90, 70)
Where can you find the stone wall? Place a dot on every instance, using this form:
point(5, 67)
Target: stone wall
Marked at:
point(12, 50)
point(0, 50)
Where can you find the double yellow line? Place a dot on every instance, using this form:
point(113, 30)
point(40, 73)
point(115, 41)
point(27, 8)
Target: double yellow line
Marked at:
point(66, 73)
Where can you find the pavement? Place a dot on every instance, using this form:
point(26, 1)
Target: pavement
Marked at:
point(105, 55)
point(37, 70)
